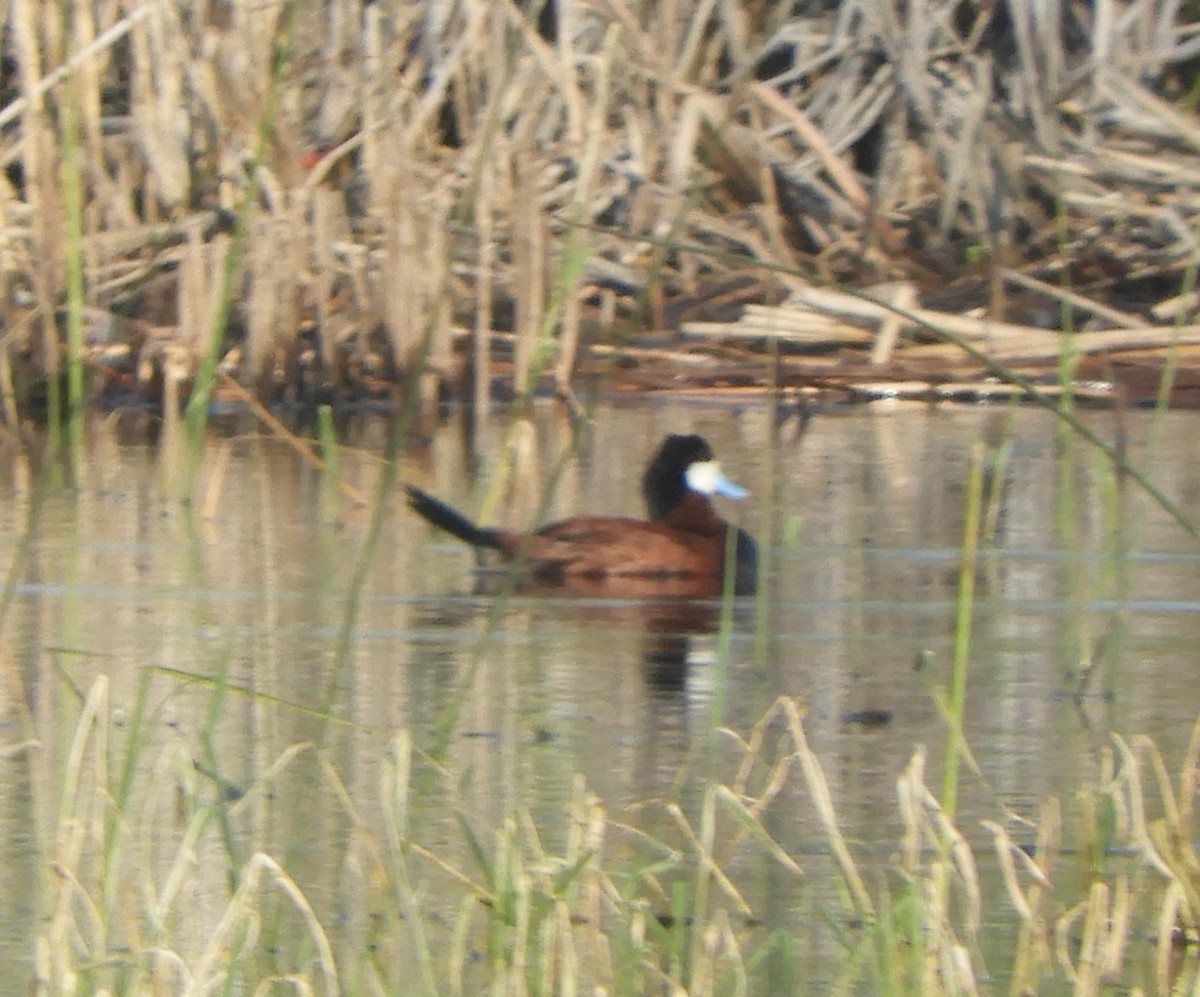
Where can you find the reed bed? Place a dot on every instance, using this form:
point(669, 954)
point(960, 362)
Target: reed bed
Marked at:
point(143, 897)
point(301, 194)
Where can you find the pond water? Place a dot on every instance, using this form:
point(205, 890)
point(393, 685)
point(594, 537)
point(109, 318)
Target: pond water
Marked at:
point(270, 586)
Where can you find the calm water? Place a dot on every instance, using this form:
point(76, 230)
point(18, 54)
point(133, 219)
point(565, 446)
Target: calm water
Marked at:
point(861, 516)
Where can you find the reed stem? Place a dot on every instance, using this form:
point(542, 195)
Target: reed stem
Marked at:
point(197, 407)
point(72, 183)
point(962, 631)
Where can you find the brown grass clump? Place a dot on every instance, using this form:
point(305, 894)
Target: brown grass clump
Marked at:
point(360, 181)
point(147, 889)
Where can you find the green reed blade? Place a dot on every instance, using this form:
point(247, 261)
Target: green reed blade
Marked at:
point(962, 631)
point(331, 475)
point(72, 183)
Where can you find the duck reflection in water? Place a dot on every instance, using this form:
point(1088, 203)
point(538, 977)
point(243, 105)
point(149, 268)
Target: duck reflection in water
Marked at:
point(679, 552)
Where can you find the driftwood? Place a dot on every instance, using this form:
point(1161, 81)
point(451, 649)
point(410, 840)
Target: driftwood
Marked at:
point(816, 321)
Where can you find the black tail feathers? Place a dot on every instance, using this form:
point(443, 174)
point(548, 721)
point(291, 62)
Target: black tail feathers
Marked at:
point(451, 520)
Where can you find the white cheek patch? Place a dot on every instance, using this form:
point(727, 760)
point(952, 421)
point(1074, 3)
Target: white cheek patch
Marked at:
point(703, 476)
point(706, 478)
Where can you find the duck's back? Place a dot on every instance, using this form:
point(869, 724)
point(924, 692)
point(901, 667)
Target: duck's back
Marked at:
point(599, 548)
point(596, 546)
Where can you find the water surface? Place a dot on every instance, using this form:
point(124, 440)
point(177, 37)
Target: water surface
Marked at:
point(860, 515)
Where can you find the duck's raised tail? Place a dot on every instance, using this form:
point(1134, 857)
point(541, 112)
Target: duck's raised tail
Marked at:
point(451, 520)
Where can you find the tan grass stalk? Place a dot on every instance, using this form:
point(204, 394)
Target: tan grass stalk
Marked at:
point(458, 949)
point(159, 71)
point(776, 780)
point(596, 132)
point(370, 88)
point(1189, 776)
point(328, 228)
point(216, 468)
point(979, 167)
point(1180, 125)
point(162, 904)
point(1166, 925)
point(8, 391)
point(748, 819)
point(689, 50)
point(87, 78)
point(90, 743)
point(39, 87)
point(38, 151)
point(752, 748)
point(397, 776)
point(818, 789)
point(529, 246)
point(1088, 966)
point(786, 325)
point(340, 792)
point(481, 358)
point(702, 843)
point(78, 840)
point(1111, 956)
point(264, 782)
point(1005, 850)
point(903, 297)
point(1107, 780)
point(909, 804)
point(67, 928)
point(562, 966)
point(522, 887)
point(717, 952)
point(274, 266)
point(180, 978)
point(811, 136)
point(480, 893)
point(239, 915)
point(587, 823)
point(958, 849)
point(19, 749)
point(1076, 300)
point(201, 270)
point(1130, 776)
point(1032, 951)
point(1142, 745)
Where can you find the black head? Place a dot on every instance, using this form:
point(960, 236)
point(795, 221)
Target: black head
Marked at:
point(683, 464)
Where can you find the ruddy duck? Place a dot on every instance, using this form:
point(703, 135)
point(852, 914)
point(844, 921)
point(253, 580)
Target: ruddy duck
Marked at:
point(679, 551)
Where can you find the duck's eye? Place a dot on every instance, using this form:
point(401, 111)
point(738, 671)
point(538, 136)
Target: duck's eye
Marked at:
point(706, 478)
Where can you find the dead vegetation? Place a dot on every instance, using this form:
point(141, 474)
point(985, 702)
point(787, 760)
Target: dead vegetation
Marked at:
point(585, 910)
point(532, 190)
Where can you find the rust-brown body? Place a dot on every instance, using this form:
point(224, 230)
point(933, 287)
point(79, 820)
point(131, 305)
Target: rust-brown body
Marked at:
point(680, 553)
point(689, 543)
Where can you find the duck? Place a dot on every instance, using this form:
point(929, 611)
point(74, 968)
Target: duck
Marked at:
point(678, 551)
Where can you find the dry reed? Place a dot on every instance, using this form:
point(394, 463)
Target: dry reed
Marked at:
point(430, 167)
point(608, 906)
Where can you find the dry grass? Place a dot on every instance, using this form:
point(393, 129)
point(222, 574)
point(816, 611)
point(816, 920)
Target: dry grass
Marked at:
point(432, 169)
point(135, 902)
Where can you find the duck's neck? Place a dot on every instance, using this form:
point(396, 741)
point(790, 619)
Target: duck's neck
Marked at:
point(693, 514)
